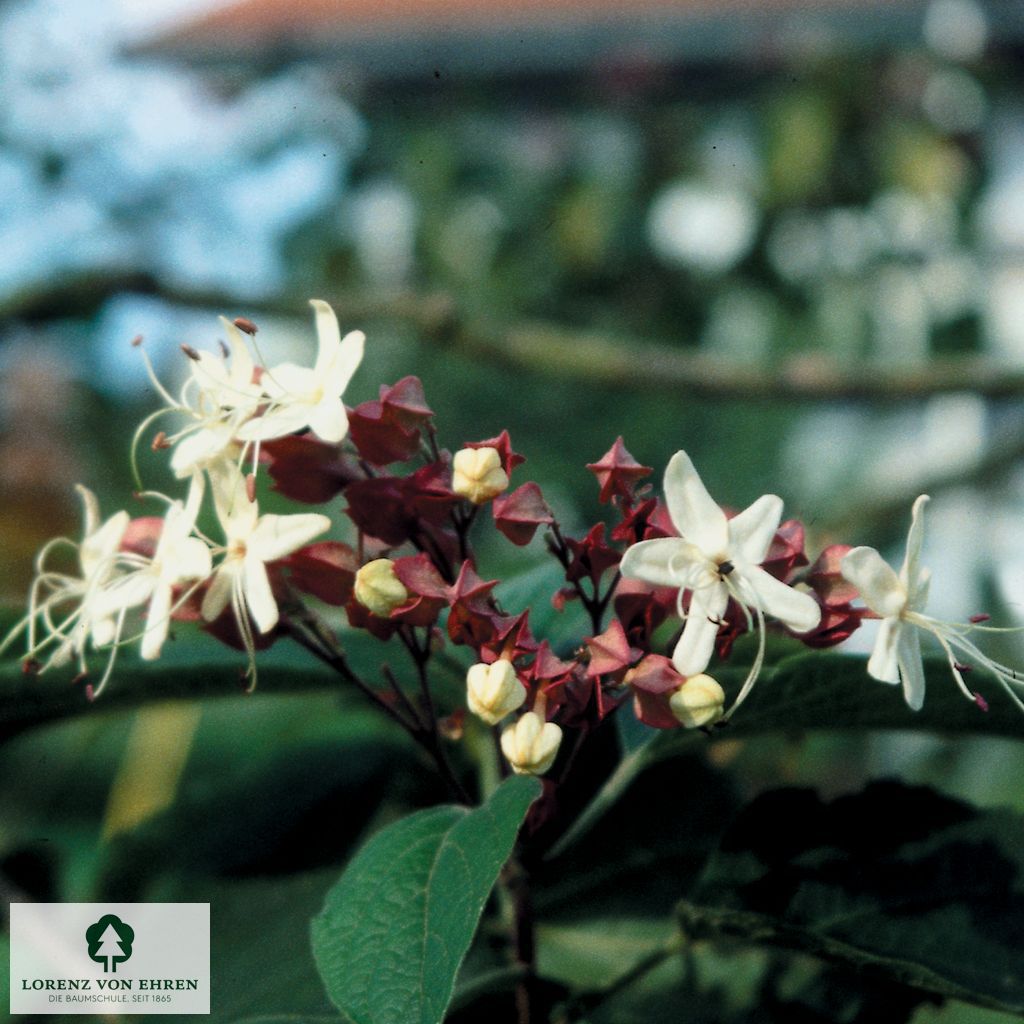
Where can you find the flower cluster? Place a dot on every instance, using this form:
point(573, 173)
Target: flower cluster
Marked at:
point(667, 586)
point(166, 566)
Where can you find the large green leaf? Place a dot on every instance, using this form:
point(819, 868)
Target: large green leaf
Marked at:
point(398, 923)
point(899, 882)
point(810, 691)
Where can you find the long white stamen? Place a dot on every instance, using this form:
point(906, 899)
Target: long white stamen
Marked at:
point(155, 381)
point(113, 655)
point(241, 613)
point(755, 668)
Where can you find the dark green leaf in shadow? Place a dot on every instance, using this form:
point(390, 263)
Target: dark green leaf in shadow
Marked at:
point(647, 851)
point(897, 881)
point(814, 691)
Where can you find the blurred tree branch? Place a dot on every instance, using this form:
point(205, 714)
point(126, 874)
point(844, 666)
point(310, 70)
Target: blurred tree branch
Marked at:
point(863, 516)
point(581, 354)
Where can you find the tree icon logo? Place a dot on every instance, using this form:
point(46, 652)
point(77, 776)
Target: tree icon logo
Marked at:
point(110, 942)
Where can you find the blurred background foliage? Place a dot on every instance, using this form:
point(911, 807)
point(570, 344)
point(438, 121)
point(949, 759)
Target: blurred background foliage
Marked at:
point(792, 244)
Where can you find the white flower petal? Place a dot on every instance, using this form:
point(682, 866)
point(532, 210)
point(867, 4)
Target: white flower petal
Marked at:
point(194, 499)
point(291, 380)
point(277, 423)
point(339, 372)
point(241, 361)
point(196, 450)
point(210, 373)
point(237, 515)
point(919, 598)
point(874, 578)
point(883, 664)
point(911, 571)
point(328, 336)
point(692, 509)
point(795, 609)
point(126, 592)
point(693, 652)
point(157, 623)
point(751, 532)
point(90, 510)
point(190, 559)
point(98, 550)
point(328, 419)
point(218, 596)
point(908, 654)
point(259, 598)
point(277, 536)
point(103, 631)
point(660, 561)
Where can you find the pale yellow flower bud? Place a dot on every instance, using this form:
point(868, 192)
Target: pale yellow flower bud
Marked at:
point(477, 474)
point(378, 588)
point(699, 701)
point(493, 691)
point(531, 744)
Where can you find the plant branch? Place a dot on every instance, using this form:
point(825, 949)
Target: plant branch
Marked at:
point(699, 922)
point(861, 517)
point(308, 639)
point(312, 635)
point(517, 883)
point(595, 604)
point(432, 736)
point(581, 355)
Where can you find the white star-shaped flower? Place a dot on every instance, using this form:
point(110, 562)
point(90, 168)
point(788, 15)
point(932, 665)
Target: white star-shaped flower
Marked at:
point(226, 395)
point(899, 601)
point(70, 611)
point(252, 541)
point(716, 558)
point(220, 394)
point(301, 397)
point(224, 384)
point(179, 557)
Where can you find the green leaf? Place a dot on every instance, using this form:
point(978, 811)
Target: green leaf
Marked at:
point(398, 923)
point(898, 882)
point(196, 667)
point(288, 1018)
point(811, 691)
point(823, 690)
point(591, 952)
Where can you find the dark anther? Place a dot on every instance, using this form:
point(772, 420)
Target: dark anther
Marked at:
point(725, 568)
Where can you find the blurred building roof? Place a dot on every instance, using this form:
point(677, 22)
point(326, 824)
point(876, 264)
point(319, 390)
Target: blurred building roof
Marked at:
point(406, 38)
